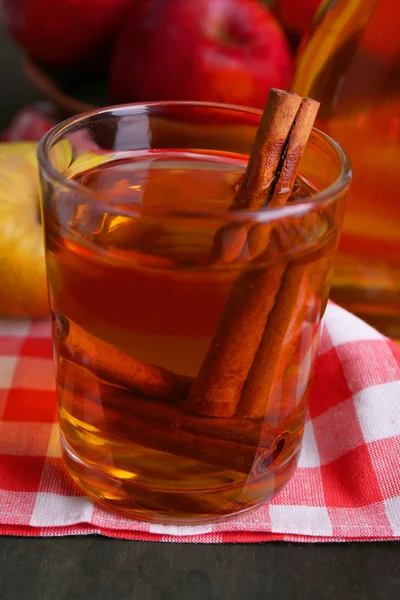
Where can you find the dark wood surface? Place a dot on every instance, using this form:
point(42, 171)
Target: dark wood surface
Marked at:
point(95, 568)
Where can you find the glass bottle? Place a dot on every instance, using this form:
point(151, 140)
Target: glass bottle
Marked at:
point(351, 64)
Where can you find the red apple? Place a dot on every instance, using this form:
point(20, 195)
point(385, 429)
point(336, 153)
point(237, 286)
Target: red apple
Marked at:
point(216, 50)
point(64, 33)
point(296, 15)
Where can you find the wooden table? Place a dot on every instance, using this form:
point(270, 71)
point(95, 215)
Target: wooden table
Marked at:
point(96, 568)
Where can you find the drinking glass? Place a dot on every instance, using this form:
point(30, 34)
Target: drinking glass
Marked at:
point(183, 353)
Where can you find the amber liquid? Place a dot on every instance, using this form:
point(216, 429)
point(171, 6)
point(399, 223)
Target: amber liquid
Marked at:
point(144, 285)
point(352, 66)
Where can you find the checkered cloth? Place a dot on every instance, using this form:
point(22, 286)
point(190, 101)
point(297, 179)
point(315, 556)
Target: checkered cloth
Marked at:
point(347, 485)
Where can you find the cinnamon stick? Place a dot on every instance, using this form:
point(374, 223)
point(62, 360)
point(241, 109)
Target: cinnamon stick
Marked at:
point(107, 362)
point(276, 346)
point(262, 167)
point(270, 175)
point(165, 438)
point(217, 389)
point(274, 349)
point(76, 379)
point(272, 152)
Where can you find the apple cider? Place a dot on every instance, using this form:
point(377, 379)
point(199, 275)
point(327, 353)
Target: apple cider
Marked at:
point(139, 292)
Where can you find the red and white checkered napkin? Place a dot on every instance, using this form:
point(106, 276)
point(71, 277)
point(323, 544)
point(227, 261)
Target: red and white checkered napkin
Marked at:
point(347, 485)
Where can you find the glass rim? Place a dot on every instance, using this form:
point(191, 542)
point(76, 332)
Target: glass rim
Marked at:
point(261, 215)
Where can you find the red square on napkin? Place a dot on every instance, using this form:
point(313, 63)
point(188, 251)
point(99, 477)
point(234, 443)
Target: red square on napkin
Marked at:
point(21, 473)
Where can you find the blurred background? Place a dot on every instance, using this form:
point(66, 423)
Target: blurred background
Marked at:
point(16, 91)
point(77, 54)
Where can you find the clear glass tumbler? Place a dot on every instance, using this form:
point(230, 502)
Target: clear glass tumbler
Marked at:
point(182, 368)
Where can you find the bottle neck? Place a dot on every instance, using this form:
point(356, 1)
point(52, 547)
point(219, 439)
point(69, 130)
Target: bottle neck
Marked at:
point(338, 24)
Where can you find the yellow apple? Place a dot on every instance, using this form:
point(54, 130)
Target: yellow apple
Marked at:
point(23, 290)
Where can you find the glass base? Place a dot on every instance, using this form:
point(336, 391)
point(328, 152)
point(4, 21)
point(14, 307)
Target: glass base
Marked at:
point(166, 507)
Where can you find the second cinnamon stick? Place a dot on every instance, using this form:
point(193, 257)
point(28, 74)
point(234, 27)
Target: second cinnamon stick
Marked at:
point(108, 362)
point(270, 176)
